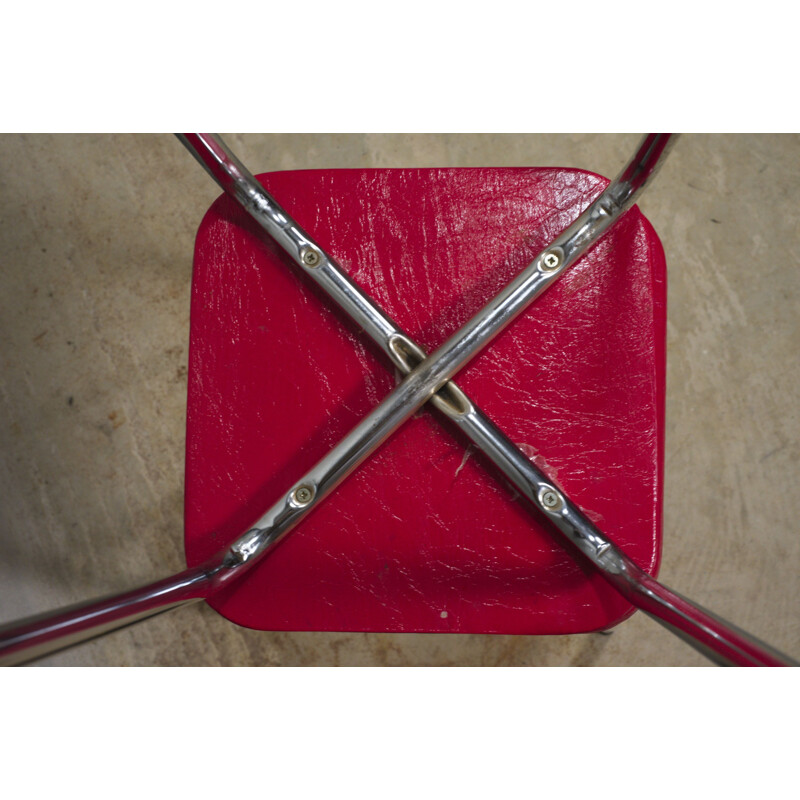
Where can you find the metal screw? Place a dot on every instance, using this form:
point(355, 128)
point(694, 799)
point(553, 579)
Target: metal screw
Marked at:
point(550, 499)
point(303, 495)
point(310, 257)
point(551, 260)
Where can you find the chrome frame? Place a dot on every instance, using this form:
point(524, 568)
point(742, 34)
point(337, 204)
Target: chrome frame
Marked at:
point(426, 377)
point(715, 638)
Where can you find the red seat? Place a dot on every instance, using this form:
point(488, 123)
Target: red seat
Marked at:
point(425, 536)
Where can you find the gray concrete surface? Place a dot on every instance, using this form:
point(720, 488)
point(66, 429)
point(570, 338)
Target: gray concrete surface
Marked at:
point(96, 238)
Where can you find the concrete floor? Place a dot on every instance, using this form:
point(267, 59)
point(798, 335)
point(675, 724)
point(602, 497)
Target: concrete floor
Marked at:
point(96, 255)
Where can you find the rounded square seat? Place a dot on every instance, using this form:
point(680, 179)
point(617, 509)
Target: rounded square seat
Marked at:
point(426, 536)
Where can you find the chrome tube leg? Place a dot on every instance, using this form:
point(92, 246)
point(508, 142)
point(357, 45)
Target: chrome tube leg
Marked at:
point(37, 636)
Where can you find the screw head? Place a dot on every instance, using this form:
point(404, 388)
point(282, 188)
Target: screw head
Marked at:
point(550, 499)
point(303, 495)
point(551, 260)
point(310, 257)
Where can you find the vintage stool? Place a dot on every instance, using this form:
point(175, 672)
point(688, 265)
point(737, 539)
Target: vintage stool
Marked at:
point(426, 535)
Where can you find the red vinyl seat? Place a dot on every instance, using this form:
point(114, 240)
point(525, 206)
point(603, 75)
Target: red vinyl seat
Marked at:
point(426, 536)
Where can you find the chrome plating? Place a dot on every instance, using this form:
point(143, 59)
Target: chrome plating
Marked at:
point(429, 377)
point(26, 639)
point(408, 356)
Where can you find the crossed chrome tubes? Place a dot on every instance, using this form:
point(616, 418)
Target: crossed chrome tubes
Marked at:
point(426, 379)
